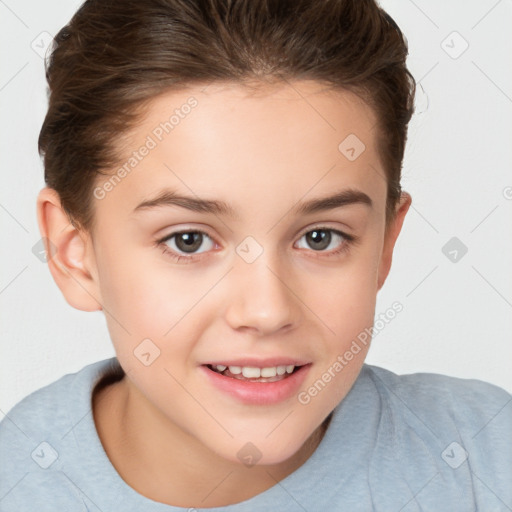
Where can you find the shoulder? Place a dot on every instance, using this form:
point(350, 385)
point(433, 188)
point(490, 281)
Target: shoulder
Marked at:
point(468, 402)
point(35, 431)
point(461, 429)
point(49, 409)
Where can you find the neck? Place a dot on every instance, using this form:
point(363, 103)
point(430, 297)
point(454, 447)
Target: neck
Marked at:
point(148, 452)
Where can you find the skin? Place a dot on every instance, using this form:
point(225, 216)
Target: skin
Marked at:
point(262, 154)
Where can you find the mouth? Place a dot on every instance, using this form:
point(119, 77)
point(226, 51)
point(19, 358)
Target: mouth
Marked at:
point(254, 385)
point(255, 374)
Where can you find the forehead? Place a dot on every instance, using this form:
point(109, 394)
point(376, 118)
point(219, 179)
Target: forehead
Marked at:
point(307, 110)
point(233, 143)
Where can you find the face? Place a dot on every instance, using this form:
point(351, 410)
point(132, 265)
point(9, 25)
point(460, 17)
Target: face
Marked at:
point(263, 275)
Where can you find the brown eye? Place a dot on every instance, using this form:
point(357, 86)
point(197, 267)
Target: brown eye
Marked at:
point(320, 238)
point(186, 242)
point(189, 242)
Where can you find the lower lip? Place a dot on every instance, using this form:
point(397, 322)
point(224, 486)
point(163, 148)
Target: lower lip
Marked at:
point(258, 393)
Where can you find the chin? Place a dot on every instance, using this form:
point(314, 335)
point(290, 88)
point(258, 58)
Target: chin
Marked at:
point(260, 451)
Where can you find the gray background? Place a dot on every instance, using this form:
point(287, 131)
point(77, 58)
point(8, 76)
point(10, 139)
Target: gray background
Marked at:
point(457, 316)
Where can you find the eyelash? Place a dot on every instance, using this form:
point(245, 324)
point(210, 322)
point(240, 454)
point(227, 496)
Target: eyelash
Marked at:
point(345, 244)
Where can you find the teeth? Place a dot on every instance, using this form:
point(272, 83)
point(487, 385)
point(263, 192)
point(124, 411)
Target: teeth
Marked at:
point(268, 372)
point(251, 372)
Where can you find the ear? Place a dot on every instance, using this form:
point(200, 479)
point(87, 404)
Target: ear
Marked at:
point(391, 236)
point(70, 254)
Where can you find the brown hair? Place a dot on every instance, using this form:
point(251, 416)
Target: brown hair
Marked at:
point(114, 57)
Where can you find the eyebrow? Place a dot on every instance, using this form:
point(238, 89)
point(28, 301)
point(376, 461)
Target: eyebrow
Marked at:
point(171, 198)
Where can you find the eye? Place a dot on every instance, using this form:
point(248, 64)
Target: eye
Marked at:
point(186, 242)
point(183, 245)
point(321, 238)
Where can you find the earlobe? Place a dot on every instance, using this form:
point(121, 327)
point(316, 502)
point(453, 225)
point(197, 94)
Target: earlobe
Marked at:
point(67, 250)
point(391, 237)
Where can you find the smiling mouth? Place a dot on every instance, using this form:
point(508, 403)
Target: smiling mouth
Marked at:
point(253, 374)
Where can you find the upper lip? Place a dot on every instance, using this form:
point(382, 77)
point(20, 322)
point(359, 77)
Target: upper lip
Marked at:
point(260, 363)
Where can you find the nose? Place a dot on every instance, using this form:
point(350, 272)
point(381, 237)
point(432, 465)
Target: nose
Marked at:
point(263, 299)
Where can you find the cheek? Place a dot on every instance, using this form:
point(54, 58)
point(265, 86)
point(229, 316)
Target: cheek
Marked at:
point(137, 303)
point(144, 298)
point(348, 313)
point(347, 310)
point(345, 298)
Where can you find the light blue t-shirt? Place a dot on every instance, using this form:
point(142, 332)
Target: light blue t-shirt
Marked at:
point(420, 442)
